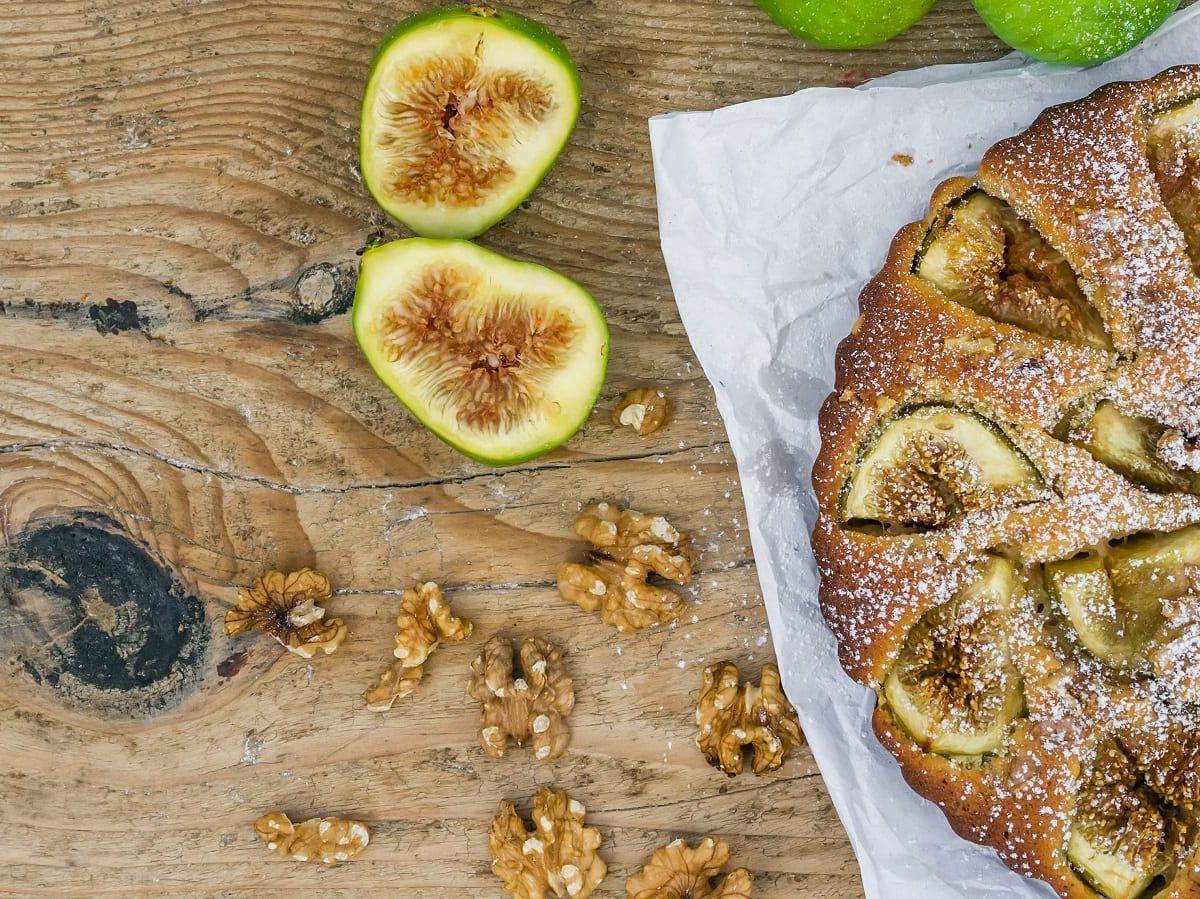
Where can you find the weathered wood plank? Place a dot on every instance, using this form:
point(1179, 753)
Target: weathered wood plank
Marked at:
point(194, 163)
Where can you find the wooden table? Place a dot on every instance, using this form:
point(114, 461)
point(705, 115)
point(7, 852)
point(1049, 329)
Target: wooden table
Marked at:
point(184, 408)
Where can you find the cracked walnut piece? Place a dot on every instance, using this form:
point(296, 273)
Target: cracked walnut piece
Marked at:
point(645, 409)
point(732, 717)
point(677, 871)
point(424, 621)
point(531, 705)
point(559, 858)
point(328, 840)
point(628, 545)
point(286, 606)
point(396, 682)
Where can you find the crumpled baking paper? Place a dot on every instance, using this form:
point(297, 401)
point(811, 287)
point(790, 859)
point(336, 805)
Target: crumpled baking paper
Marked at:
point(773, 215)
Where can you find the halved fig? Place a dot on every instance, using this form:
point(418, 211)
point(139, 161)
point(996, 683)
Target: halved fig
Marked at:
point(1127, 445)
point(1155, 566)
point(1114, 599)
point(929, 462)
point(979, 253)
point(501, 359)
point(1120, 841)
point(1114, 628)
point(953, 687)
point(465, 110)
point(1174, 149)
point(1166, 750)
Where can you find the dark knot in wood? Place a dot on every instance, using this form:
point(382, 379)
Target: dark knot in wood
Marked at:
point(88, 612)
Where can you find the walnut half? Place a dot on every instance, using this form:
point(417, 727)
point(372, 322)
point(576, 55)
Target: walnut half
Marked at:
point(628, 545)
point(328, 840)
point(645, 409)
point(733, 717)
point(286, 606)
point(560, 856)
point(425, 620)
point(677, 871)
point(531, 705)
point(395, 682)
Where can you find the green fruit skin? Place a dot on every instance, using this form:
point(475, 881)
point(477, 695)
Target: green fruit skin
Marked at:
point(1074, 32)
point(846, 24)
point(494, 461)
point(539, 34)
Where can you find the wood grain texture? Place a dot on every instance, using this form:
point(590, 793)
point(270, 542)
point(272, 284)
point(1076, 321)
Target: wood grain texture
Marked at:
point(183, 407)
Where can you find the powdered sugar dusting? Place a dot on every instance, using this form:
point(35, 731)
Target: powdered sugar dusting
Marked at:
point(1082, 175)
point(764, 312)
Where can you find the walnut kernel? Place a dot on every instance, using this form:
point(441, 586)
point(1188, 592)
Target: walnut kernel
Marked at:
point(424, 621)
point(286, 606)
point(628, 545)
point(328, 840)
point(559, 856)
point(645, 409)
point(395, 682)
point(531, 705)
point(677, 871)
point(732, 717)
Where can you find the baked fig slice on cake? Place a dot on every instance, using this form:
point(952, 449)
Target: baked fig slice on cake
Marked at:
point(1113, 598)
point(1155, 566)
point(501, 359)
point(1114, 628)
point(1174, 151)
point(929, 462)
point(979, 253)
point(953, 688)
point(1128, 445)
point(465, 110)
point(1119, 840)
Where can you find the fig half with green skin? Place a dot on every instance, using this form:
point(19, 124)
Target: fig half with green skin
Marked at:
point(1173, 147)
point(501, 359)
point(846, 24)
point(1113, 599)
point(1120, 841)
point(1115, 628)
point(980, 253)
point(1128, 445)
point(1155, 566)
point(954, 687)
point(929, 462)
point(465, 110)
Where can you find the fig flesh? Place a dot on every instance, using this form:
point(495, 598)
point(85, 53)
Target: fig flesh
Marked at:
point(465, 110)
point(501, 359)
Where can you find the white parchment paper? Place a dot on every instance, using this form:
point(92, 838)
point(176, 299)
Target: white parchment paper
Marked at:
point(773, 215)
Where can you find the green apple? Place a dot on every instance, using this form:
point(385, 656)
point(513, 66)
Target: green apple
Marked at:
point(1074, 32)
point(846, 24)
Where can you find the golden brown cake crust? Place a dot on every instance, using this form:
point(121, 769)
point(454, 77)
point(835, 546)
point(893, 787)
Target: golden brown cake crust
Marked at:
point(1080, 175)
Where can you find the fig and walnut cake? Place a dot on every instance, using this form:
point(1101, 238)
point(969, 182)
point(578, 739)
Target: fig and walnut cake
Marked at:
point(1009, 529)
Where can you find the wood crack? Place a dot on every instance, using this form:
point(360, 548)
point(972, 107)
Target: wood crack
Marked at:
point(544, 583)
point(756, 787)
point(297, 490)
